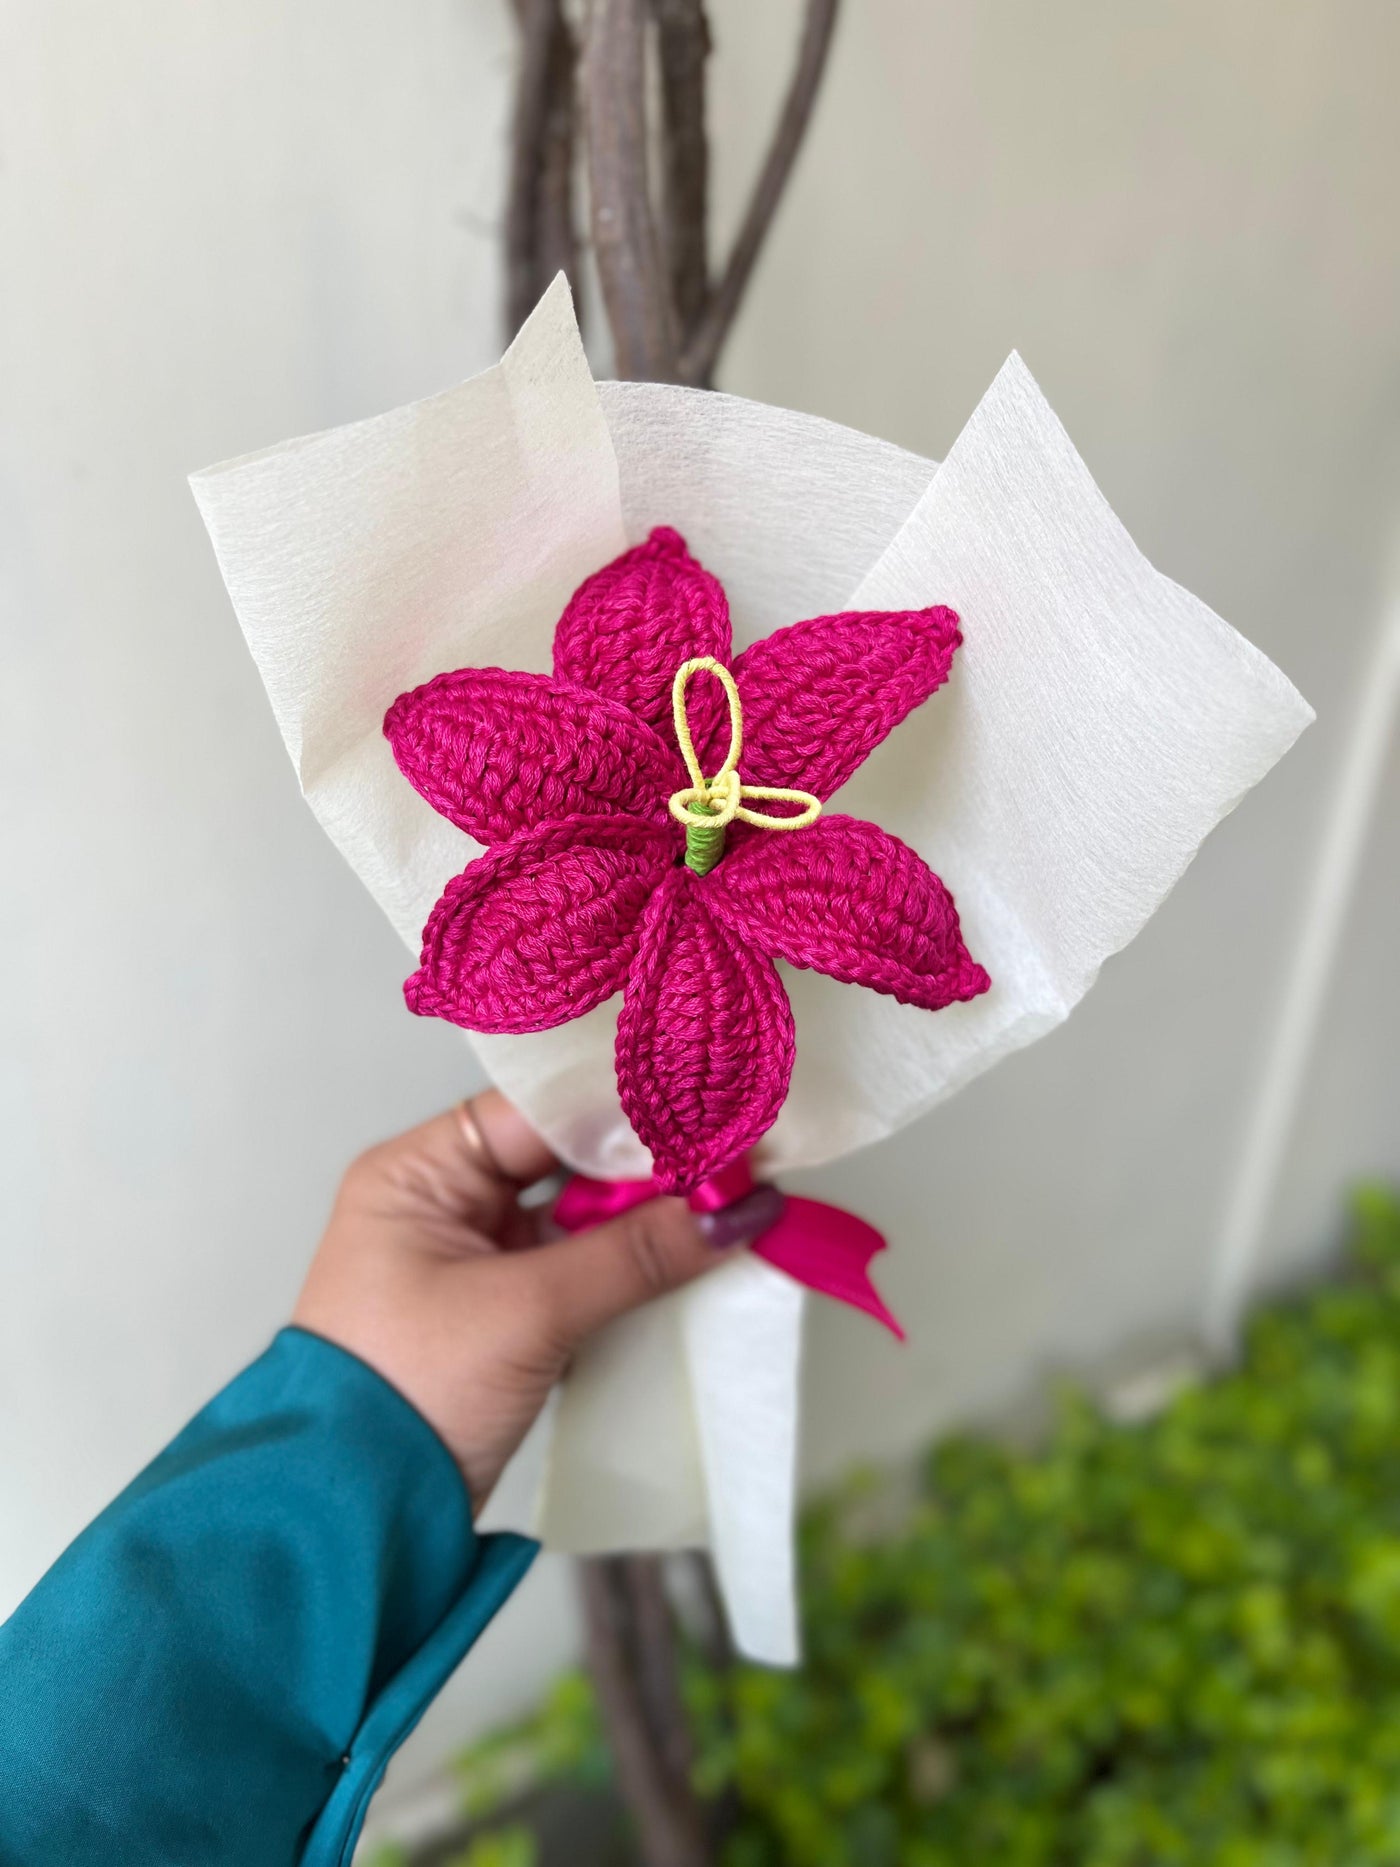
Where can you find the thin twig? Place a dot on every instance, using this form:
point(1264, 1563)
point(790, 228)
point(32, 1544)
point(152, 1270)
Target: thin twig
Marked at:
point(540, 233)
point(625, 245)
point(683, 45)
point(698, 360)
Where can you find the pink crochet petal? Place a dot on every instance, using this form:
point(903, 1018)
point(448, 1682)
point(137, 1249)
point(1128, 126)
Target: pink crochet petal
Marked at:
point(846, 898)
point(631, 625)
point(704, 1040)
point(542, 930)
point(497, 751)
point(819, 696)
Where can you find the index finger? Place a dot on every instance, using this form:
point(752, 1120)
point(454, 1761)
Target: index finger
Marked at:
point(514, 1150)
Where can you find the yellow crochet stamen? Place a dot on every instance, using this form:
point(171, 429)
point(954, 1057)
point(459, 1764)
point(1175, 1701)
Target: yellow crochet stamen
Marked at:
point(708, 804)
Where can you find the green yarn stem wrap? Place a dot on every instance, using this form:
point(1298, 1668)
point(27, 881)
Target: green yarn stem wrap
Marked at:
point(704, 842)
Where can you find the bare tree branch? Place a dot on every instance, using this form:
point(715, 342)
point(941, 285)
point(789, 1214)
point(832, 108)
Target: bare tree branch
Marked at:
point(668, 1816)
point(558, 231)
point(540, 233)
point(712, 1635)
point(658, 1669)
point(631, 1635)
point(527, 133)
point(703, 348)
point(683, 45)
point(625, 245)
point(654, 304)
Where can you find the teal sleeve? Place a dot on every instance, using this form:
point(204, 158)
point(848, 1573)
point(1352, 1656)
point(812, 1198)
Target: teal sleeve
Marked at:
point(217, 1671)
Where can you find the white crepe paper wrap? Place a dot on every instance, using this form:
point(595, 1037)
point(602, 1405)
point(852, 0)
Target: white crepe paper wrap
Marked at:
point(1099, 721)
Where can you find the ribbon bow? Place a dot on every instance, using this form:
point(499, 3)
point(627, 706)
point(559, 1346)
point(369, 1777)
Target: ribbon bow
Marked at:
point(823, 1247)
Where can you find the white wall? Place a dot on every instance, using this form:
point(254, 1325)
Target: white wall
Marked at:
point(225, 225)
point(1184, 220)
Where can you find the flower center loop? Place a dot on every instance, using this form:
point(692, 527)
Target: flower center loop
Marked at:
point(707, 805)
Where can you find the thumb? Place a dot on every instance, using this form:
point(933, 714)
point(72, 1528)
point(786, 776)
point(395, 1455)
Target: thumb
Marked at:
point(655, 1248)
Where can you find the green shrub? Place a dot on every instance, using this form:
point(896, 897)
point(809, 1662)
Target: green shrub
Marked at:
point(505, 1847)
point(511, 1846)
point(1176, 1642)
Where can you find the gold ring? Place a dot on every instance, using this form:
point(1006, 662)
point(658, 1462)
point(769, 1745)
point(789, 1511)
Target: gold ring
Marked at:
point(477, 1145)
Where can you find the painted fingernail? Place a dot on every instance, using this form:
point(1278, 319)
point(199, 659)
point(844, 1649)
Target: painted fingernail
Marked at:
point(747, 1219)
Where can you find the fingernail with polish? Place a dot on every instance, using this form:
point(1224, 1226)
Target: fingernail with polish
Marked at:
point(747, 1219)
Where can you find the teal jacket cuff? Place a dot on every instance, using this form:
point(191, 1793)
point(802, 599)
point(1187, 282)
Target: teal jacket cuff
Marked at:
point(218, 1670)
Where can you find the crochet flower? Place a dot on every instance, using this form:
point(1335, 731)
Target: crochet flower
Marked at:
point(586, 888)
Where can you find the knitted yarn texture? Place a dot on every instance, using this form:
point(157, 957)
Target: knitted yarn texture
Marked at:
point(585, 890)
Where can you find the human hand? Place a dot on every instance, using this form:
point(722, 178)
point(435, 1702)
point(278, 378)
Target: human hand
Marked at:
point(432, 1272)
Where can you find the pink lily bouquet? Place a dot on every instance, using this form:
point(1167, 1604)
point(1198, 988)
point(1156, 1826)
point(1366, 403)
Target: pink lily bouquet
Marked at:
point(672, 857)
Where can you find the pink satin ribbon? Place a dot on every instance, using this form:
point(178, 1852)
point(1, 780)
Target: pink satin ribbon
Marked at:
point(823, 1247)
